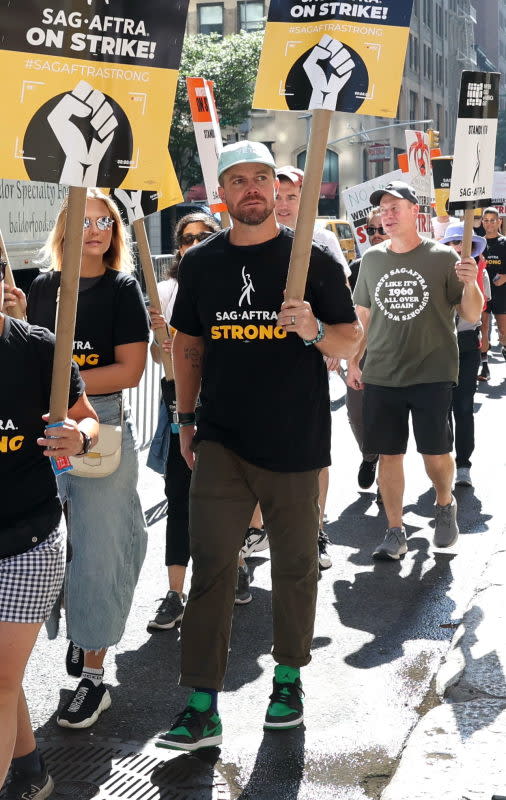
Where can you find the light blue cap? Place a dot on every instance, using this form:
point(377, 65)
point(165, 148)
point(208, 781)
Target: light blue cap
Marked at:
point(244, 152)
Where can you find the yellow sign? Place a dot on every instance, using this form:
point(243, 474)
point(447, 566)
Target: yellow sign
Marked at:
point(334, 55)
point(90, 94)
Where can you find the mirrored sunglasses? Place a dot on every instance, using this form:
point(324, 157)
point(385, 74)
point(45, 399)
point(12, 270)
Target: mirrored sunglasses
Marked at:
point(102, 223)
point(3, 267)
point(371, 230)
point(189, 238)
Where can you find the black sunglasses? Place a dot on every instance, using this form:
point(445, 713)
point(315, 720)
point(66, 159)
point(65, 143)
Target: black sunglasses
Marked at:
point(189, 238)
point(3, 267)
point(371, 230)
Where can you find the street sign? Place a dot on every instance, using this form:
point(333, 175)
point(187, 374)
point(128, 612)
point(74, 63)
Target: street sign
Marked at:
point(333, 56)
point(379, 152)
point(207, 135)
point(475, 140)
point(90, 90)
point(358, 205)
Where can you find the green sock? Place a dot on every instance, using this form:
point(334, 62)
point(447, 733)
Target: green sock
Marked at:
point(284, 674)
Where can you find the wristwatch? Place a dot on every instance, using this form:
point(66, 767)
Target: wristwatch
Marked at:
point(86, 444)
point(182, 418)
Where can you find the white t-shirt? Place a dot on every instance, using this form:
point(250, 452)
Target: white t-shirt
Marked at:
point(329, 240)
point(167, 291)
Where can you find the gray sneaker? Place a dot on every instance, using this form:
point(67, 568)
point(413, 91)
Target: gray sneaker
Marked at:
point(463, 477)
point(393, 546)
point(242, 592)
point(169, 612)
point(446, 531)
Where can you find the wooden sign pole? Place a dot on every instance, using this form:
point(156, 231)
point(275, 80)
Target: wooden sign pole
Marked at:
point(313, 171)
point(160, 334)
point(67, 305)
point(467, 240)
point(16, 310)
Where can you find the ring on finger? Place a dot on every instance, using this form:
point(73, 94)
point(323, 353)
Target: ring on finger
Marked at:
point(292, 320)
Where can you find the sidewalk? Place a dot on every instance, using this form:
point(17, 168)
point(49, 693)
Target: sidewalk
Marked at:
point(457, 751)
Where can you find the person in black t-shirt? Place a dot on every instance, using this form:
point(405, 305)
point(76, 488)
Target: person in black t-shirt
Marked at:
point(495, 255)
point(107, 526)
point(256, 440)
point(32, 539)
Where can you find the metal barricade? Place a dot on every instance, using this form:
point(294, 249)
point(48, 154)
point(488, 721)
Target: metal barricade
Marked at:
point(144, 399)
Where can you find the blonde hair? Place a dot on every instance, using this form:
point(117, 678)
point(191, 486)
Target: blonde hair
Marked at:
point(119, 254)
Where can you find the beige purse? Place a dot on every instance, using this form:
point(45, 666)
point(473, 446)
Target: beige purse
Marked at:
point(105, 457)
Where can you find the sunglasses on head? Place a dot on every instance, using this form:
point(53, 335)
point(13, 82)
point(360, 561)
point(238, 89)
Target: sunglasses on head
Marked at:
point(371, 230)
point(189, 238)
point(3, 267)
point(102, 223)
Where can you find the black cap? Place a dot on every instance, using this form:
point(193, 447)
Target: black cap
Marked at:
point(397, 189)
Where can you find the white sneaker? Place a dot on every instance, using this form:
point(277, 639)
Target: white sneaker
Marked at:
point(463, 477)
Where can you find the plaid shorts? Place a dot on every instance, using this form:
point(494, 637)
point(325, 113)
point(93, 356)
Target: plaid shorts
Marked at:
point(31, 582)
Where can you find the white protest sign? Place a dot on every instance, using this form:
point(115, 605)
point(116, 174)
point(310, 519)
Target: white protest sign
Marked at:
point(420, 176)
point(358, 205)
point(475, 138)
point(207, 135)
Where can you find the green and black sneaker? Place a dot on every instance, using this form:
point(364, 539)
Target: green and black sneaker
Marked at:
point(285, 709)
point(197, 726)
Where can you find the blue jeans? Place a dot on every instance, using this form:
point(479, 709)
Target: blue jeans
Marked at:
point(108, 535)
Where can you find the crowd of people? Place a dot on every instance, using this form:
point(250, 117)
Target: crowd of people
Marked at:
point(245, 468)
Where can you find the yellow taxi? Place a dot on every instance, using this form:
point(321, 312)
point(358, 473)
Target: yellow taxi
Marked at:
point(342, 229)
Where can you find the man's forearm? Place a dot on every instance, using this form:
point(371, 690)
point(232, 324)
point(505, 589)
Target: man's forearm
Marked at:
point(187, 352)
point(471, 304)
point(341, 340)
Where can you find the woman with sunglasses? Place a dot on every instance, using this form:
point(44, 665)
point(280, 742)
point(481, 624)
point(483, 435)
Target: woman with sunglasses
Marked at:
point(164, 455)
point(32, 536)
point(106, 524)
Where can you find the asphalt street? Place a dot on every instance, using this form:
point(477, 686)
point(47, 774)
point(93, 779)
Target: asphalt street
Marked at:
point(381, 632)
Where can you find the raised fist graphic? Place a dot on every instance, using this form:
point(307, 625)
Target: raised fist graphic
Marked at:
point(131, 202)
point(82, 162)
point(326, 88)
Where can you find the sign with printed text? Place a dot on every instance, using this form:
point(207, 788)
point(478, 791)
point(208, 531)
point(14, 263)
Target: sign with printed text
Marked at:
point(442, 176)
point(475, 139)
point(91, 90)
point(207, 135)
point(358, 205)
point(420, 176)
point(334, 55)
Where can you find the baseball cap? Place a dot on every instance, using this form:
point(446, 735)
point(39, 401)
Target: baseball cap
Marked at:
point(455, 233)
point(294, 174)
point(397, 189)
point(244, 152)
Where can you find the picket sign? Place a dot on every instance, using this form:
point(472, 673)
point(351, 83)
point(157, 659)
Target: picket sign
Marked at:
point(160, 334)
point(16, 311)
point(322, 63)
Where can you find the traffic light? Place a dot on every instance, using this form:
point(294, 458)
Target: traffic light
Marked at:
point(433, 139)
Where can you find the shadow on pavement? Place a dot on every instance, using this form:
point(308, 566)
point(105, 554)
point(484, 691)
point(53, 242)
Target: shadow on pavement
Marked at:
point(279, 767)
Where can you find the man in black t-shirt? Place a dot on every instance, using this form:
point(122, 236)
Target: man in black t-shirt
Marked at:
point(495, 254)
point(256, 440)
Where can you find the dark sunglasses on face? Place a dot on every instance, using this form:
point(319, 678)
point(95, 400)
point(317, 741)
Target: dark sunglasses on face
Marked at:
point(455, 241)
point(3, 267)
point(102, 223)
point(189, 238)
point(371, 230)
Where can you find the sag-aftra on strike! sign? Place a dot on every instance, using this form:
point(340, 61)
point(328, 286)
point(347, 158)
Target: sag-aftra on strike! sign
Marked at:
point(334, 55)
point(89, 87)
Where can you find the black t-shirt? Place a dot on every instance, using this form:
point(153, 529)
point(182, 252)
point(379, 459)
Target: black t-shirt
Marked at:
point(26, 362)
point(110, 312)
point(264, 392)
point(354, 268)
point(495, 253)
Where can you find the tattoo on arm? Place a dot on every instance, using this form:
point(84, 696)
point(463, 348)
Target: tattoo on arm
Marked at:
point(194, 355)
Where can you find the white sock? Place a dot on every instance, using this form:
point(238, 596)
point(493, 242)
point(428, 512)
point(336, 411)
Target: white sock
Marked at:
point(93, 675)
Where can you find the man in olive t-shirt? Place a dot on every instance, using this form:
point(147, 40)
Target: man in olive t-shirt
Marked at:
point(407, 292)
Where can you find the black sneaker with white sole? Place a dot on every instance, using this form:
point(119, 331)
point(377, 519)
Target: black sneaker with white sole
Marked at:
point(255, 541)
point(324, 560)
point(169, 612)
point(74, 660)
point(28, 786)
point(86, 705)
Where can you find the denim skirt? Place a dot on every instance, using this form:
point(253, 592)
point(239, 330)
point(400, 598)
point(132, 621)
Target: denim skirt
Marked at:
point(108, 537)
